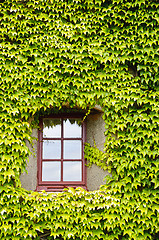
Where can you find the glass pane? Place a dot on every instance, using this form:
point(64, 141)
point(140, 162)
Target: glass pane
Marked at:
point(73, 128)
point(51, 128)
point(51, 171)
point(51, 149)
point(72, 171)
point(72, 149)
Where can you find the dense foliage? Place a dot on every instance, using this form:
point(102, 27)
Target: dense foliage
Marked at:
point(78, 53)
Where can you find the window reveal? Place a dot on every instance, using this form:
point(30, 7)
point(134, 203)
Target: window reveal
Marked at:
point(60, 153)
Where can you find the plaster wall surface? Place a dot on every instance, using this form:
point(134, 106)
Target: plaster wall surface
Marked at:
point(29, 180)
point(95, 175)
point(95, 133)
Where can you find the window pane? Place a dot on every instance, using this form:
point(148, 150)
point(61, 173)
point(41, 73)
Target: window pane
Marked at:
point(73, 128)
point(72, 171)
point(51, 171)
point(51, 128)
point(51, 149)
point(72, 149)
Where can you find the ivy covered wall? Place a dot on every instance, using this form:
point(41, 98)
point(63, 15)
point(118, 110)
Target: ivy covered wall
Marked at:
point(81, 53)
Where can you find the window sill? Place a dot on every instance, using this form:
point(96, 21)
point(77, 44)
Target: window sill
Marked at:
point(57, 188)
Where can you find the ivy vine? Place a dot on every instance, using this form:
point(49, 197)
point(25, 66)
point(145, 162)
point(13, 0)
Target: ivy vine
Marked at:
point(80, 53)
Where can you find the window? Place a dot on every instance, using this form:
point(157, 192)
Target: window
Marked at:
point(61, 153)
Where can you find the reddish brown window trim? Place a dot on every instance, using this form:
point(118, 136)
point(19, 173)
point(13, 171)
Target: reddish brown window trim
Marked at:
point(52, 186)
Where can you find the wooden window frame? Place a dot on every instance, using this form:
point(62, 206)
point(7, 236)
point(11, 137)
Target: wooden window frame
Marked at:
point(57, 186)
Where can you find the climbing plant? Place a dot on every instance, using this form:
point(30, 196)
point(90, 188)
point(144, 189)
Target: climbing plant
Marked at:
point(80, 53)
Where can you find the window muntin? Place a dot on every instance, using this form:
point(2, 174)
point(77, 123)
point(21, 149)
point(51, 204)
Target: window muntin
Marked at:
point(61, 157)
